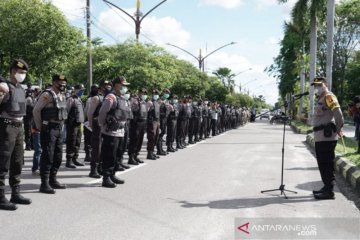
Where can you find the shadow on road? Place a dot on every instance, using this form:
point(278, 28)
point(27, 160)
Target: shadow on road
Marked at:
point(239, 203)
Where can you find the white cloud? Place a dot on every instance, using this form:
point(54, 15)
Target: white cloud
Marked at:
point(152, 27)
point(73, 9)
point(228, 4)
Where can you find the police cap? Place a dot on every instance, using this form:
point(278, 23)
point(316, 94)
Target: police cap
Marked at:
point(318, 80)
point(166, 90)
point(155, 91)
point(143, 90)
point(78, 86)
point(58, 77)
point(120, 79)
point(19, 64)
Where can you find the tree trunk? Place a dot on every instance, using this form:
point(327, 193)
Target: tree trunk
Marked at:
point(313, 51)
point(330, 41)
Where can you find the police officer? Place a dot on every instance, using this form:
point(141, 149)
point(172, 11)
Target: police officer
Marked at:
point(138, 124)
point(92, 113)
point(180, 125)
point(153, 124)
point(94, 89)
point(171, 123)
point(49, 115)
point(328, 122)
point(28, 118)
point(112, 120)
point(12, 111)
point(204, 123)
point(74, 123)
point(164, 112)
point(194, 122)
point(121, 166)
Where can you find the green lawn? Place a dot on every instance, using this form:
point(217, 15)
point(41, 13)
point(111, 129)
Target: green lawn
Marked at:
point(351, 146)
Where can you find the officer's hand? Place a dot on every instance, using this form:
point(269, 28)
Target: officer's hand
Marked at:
point(340, 133)
point(4, 88)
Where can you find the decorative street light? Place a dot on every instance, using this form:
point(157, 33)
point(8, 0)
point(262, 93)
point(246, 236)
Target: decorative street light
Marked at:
point(201, 59)
point(138, 15)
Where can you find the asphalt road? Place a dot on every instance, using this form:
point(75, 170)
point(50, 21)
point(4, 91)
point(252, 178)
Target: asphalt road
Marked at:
point(195, 193)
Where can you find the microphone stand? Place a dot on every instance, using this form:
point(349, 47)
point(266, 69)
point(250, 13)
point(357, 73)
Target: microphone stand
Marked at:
point(282, 185)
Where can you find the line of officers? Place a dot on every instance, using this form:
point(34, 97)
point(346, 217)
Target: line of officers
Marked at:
point(113, 121)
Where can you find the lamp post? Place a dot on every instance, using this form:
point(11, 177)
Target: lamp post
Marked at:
point(201, 59)
point(138, 15)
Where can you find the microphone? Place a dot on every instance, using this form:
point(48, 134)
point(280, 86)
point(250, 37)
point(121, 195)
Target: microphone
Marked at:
point(301, 94)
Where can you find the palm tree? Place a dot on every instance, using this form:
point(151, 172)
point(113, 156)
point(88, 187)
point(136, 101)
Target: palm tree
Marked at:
point(226, 77)
point(314, 7)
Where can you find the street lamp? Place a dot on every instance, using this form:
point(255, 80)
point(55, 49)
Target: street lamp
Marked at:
point(138, 15)
point(243, 72)
point(201, 59)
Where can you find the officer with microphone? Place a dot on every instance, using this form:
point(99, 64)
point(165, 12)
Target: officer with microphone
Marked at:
point(328, 122)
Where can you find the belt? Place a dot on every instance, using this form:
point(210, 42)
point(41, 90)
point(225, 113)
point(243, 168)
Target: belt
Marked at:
point(53, 125)
point(321, 127)
point(11, 122)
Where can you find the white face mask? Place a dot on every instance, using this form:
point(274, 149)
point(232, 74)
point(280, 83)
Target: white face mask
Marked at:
point(20, 77)
point(127, 96)
point(206, 102)
point(123, 90)
point(156, 97)
point(143, 97)
point(319, 90)
point(175, 101)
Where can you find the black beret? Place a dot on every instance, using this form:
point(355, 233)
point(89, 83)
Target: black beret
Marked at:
point(57, 77)
point(19, 64)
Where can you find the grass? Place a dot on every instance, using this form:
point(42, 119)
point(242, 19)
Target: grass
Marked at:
point(351, 146)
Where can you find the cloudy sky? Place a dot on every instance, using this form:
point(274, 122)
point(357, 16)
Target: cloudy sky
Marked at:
point(255, 25)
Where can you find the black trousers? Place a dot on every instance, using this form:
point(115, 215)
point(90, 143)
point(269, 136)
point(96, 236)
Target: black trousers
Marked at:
point(194, 125)
point(325, 155)
point(203, 128)
point(153, 128)
point(95, 144)
point(27, 131)
point(180, 130)
point(214, 126)
point(11, 154)
point(51, 144)
point(110, 149)
point(171, 131)
point(87, 143)
point(73, 141)
point(137, 132)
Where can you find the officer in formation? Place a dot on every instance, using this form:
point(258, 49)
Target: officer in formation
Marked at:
point(328, 122)
point(12, 111)
point(74, 123)
point(49, 115)
point(113, 116)
point(28, 117)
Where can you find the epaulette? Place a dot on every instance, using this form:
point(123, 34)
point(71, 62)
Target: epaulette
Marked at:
point(331, 101)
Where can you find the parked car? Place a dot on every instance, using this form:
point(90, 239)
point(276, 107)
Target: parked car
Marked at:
point(265, 113)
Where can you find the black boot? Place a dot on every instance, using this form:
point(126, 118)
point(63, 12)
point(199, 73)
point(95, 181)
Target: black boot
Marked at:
point(54, 183)
point(132, 161)
point(107, 182)
point(172, 148)
point(77, 163)
point(151, 156)
point(93, 172)
point(136, 157)
point(169, 149)
point(69, 164)
point(16, 197)
point(4, 203)
point(319, 191)
point(45, 187)
point(178, 146)
point(325, 195)
point(99, 169)
point(116, 179)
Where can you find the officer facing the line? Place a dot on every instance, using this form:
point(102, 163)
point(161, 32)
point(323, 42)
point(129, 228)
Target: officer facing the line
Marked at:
point(12, 111)
point(328, 122)
point(112, 119)
point(49, 116)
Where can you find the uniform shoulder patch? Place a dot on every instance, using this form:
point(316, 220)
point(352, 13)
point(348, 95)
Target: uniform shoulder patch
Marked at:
point(331, 102)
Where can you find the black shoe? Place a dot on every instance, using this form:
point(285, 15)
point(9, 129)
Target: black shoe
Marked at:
point(87, 159)
point(124, 166)
point(170, 150)
point(45, 188)
point(16, 197)
point(150, 156)
point(319, 191)
point(132, 162)
point(136, 158)
point(161, 153)
point(107, 182)
point(69, 164)
point(191, 142)
point(156, 156)
point(325, 195)
point(76, 163)
point(6, 205)
point(116, 180)
point(94, 174)
point(55, 184)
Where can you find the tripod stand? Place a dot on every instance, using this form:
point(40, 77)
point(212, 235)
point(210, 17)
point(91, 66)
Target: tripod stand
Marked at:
point(282, 186)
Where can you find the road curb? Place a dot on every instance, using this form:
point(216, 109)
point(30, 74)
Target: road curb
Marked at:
point(347, 169)
point(298, 130)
